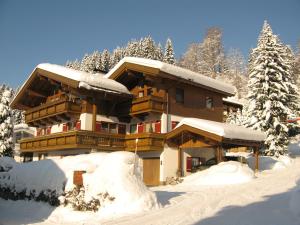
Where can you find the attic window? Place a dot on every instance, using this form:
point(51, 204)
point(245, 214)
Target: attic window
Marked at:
point(179, 95)
point(209, 102)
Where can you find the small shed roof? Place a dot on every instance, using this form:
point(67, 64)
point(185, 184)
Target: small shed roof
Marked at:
point(220, 132)
point(155, 66)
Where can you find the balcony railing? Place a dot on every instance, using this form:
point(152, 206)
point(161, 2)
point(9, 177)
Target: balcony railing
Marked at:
point(145, 142)
point(147, 104)
point(73, 140)
point(51, 111)
point(93, 140)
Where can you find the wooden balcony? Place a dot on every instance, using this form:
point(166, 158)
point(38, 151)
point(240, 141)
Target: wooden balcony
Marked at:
point(146, 142)
point(55, 111)
point(147, 104)
point(93, 140)
point(73, 140)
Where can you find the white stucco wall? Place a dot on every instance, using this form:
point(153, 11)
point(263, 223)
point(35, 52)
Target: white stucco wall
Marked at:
point(57, 128)
point(86, 121)
point(169, 160)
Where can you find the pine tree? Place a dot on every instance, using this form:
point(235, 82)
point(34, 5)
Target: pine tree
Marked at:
point(169, 52)
point(147, 47)
point(6, 125)
point(105, 59)
point(117, 55)
point(270, 91)
point(159, 55)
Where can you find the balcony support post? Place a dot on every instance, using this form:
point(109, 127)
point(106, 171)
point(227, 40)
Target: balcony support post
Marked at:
point(94, 117)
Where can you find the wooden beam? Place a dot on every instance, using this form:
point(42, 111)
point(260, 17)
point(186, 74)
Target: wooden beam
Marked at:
point(94, 117)
point(218, 154)
point(179, 173)
point(256, 153)
point(35, 94)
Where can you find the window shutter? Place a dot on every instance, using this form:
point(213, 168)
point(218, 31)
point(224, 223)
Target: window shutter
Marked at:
point(189, 164)
point(65, 127)
point(140, 128)
point(158, 127)
point(98, 126)
point(78, 125)
point(48, 130)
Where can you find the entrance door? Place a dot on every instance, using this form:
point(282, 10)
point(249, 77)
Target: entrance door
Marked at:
point(151, 167)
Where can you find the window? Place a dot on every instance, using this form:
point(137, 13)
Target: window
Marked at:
point(209, 102)
point(149, 128)
point(133, 128)
point(179, 95)
point(122, 129)
point(141, 94)
point(104, 127)
point(113, 128)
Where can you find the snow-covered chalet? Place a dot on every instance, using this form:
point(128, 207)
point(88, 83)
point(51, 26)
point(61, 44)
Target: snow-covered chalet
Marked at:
point(170, 116)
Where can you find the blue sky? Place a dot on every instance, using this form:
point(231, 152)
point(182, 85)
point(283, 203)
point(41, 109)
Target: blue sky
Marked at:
point(32, 32)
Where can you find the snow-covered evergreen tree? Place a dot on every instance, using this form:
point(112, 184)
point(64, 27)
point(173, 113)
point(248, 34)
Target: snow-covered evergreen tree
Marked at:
point(270, 91)
point(169, 52)
point(159, 55)
point(147, 47)
point(236, 118)
point(76, 65)
point(105, 60)
point(6, 124)
point(117, 55)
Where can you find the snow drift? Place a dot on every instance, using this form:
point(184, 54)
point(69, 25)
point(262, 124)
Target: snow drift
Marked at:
point(117, 174)
point(224, 173)
point(295, 201)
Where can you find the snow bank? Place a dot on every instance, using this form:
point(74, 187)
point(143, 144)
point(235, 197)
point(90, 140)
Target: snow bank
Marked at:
point(294, 149)
point(122, 181)
point(117, 174)
point(295, 201)
point(224, 173)
point(270, 163)
point(38, 176)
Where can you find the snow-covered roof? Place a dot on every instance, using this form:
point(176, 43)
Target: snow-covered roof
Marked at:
point(92, 80)
point(176, 71)
point(225, 130)
point(233, 101)
point(23, 126)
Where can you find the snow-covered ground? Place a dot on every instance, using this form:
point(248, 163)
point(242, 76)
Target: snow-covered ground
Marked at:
point(271, 197)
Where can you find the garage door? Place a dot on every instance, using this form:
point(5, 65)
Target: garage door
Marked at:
point(151, 168)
